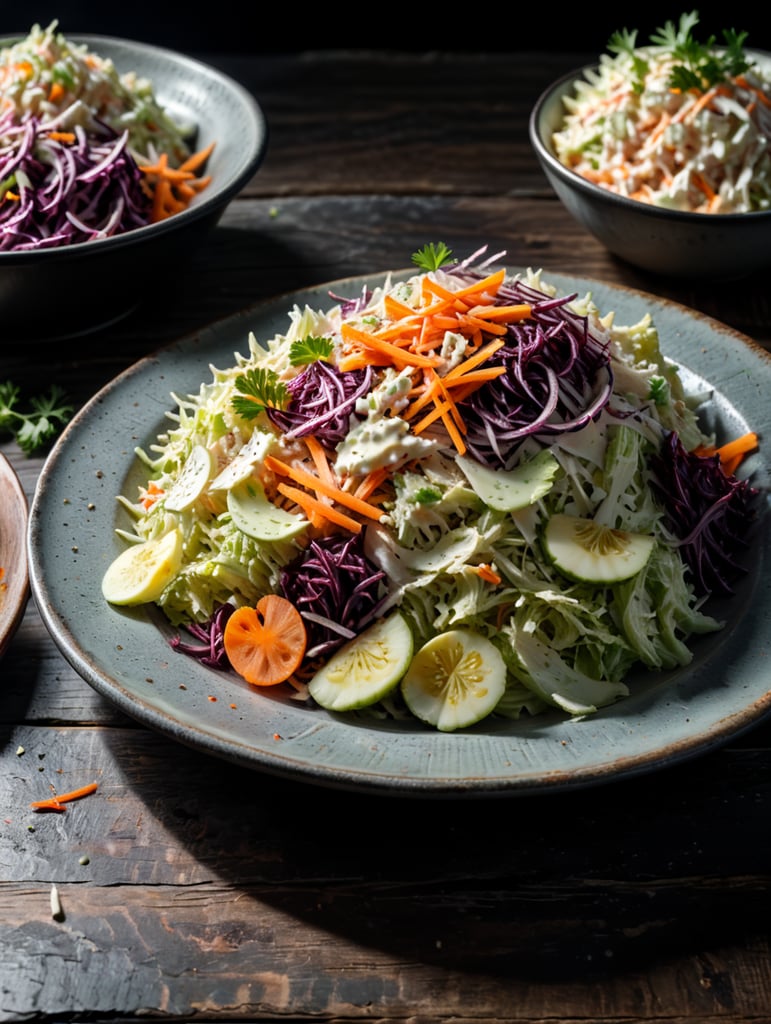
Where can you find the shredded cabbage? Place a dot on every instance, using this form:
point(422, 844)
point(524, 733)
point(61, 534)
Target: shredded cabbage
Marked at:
point(704, 148)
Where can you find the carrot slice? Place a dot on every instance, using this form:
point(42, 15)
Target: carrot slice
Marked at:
point(266, 644)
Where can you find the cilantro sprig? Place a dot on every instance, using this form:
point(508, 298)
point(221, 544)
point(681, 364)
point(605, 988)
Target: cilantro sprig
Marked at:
point(36, 425)
point(432, 256)
point(259, 390)
point(309, 350)
point(699, 65)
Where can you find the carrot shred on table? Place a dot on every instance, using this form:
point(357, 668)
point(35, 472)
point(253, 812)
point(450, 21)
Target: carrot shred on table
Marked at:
point(56, 803)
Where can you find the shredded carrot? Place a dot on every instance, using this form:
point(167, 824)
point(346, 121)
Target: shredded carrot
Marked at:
point(320, 460)
point(56, 803)
point(266, 644)
point(394, 354)
point(307, 479)
point(369, 485)
point(317, 510)
point(68, 137)
point(173, 188)
point(150, 494)
point(502, 314)
point(197, 159)
point(742, 81)
point(487, 573)
point(733, 453)
point(56, 92)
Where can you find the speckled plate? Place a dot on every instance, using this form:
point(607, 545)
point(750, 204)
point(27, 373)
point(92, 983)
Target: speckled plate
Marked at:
point(125, 655)
point(14, 578)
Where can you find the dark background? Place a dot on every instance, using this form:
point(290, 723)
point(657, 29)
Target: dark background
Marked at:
point(248, 27)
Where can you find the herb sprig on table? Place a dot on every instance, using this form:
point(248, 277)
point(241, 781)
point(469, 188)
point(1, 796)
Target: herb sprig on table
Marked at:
point(40, 422)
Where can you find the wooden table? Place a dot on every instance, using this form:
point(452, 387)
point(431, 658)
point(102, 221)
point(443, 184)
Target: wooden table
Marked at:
point(196, 889)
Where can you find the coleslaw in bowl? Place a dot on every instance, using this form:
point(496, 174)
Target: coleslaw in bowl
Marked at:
point(90, 127)
point(662, 151)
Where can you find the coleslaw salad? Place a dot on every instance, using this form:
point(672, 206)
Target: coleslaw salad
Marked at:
point(497, 466)
point(674, 123)
point(85, 152)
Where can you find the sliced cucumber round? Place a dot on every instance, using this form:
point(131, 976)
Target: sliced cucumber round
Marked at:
point(258, 517)
point(454, 680)
point(192, 481)
point(142, 572)
point(365, 669)
point(589, 552)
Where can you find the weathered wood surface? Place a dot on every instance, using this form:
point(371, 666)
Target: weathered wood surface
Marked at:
point(195, 889)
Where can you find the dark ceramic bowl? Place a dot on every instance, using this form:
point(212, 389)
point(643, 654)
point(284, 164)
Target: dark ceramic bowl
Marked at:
point(666, 242)
point(72, 289)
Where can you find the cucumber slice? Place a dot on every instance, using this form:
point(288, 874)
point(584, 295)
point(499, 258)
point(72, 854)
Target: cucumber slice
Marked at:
point(455, 680)
point(241, 466)
point(259, 518)
point(142, 572)
point(192, 480)
point(515, 489)
point(589, 552)
point(365, 669)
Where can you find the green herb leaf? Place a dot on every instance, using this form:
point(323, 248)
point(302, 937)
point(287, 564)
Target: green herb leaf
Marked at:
point(432, 256)
point(309, 350)
point(37, 426)
point(701, 64)
point(259, 389)
point(659, 391)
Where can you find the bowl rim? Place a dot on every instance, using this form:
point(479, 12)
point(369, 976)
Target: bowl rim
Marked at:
point(571, 178)
point(210, 201)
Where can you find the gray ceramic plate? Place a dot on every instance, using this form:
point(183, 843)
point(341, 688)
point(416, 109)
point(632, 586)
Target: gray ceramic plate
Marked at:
point(124, 654)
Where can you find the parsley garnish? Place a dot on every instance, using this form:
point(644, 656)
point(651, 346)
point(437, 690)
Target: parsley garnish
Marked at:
point(35, 428)
point(625, 41)
point(260, 389)
point(659, 390)
point(432, 256)
point(699, 65)
point(309, 349)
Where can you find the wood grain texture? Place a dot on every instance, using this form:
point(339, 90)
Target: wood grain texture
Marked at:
point(195, 889)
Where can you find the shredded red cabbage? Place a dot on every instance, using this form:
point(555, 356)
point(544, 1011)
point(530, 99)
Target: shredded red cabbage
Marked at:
point(56, 192)
point(336, 589)
point(322, 401)
point(711, 514)
point(558, 377)
point(348, 306)
point(210, 649)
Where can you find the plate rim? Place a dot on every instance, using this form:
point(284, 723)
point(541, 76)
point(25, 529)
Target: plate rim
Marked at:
point(270, 758)
point(16, 581)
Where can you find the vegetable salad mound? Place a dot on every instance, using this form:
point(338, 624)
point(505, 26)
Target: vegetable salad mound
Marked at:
point(85, 152)
point(458, 494)
point(677, 123)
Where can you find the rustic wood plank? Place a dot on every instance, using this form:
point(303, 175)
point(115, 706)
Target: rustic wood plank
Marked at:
point(245, 952)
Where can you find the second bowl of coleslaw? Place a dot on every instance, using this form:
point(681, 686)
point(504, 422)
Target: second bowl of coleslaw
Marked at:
point(116, 159)
point(673, 179)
